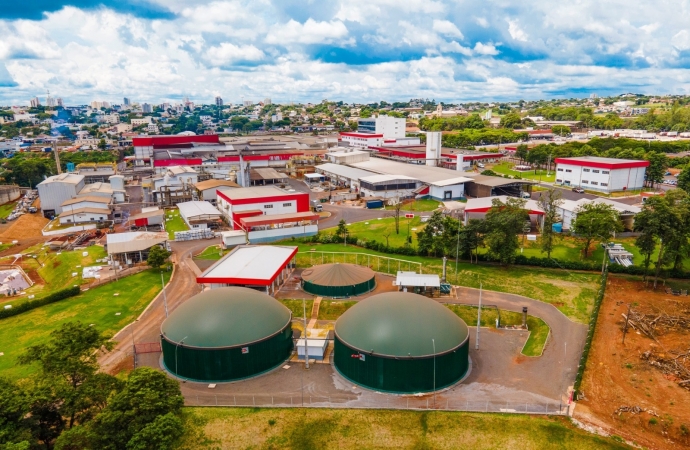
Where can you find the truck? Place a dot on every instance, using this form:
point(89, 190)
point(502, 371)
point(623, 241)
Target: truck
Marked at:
point(316, 206)
point(371, 204)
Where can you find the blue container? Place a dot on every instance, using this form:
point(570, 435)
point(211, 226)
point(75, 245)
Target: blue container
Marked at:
point(374, 204)
point(557, 227)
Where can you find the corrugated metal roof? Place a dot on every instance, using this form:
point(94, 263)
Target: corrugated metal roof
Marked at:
point(147, 214)
point(212, 184)
point(417, 279)
point(134, 241)
point(255, 192)
point(338, 275)
point(351, 173)
point(88, 198)
point(70, 212)
point(437, 176)
point(196, 209)
point(253, 262)
point(70, 178)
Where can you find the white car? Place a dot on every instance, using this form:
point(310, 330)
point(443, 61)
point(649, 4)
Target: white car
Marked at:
point(480, 165)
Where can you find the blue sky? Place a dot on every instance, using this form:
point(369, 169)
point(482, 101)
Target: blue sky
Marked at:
point(354, 50)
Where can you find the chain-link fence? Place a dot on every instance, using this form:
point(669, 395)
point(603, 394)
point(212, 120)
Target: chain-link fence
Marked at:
point(382, 264)
point(426, 402)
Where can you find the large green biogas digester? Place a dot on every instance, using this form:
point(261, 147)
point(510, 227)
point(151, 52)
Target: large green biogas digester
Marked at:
point(401, 342)
point(338, 280)
point(226, 334)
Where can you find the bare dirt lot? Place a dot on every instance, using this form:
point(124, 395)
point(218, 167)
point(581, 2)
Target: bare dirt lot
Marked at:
point(28, 226)
point(620, 375)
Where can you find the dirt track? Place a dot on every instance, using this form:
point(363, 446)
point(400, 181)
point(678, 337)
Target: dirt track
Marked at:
point(616, 375)
point(28, 226)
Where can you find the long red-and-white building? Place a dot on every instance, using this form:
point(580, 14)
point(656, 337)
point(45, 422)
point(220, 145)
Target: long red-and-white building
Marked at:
point(268, 213)
point(601, 174)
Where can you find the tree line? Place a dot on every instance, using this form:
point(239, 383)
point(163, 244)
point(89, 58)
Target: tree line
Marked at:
point(70, 405)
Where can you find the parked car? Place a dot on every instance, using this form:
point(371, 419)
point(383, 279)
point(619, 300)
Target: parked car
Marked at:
point(480, 165)
point(579, 190)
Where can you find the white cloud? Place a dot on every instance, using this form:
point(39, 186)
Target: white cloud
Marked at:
point(482, 22)
point(681, 40)
point(515, 31)
point(227, 53)
point(485, 49)
point(311, 32)
point(447, 28)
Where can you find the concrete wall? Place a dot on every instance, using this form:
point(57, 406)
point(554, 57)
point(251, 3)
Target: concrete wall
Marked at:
point(9, 194)
point(275, 234)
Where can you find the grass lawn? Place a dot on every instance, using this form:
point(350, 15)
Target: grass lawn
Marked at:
point(571, 292)
point(539, 330)
point(97, 306)
point(376, 229)
point(357, 429)
point(425, 204)
point(175, 223)
point(505, 168)
point(297, 307)
point(332, 309)
point(6, 209)
point(212, 252)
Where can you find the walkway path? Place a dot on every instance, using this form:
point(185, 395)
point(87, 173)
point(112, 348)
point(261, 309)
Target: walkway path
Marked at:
point(314, 312)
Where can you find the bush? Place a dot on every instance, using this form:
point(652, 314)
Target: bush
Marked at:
point(590, 332)
point(33, 304)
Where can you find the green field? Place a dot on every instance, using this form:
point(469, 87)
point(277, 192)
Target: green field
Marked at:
point(297, 307)
point(332, 309)
point(376, 229)
point(98, 306)
point(569, 291)
point(506, 168)
point(175, 224)
point(212, 252)
point(539, 330)
point(6, 209)
point(425, 204)
point(273, 428)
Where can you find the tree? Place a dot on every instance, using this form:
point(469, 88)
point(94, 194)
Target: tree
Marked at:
point(69, 383)
point(561, 130)
point(102, 144)
point(157, 256)
point(646, 241)
point(549, 202)
point(14, 406)
point(522, 151)
point(511, 120)
point(504, 222)
point(147, 395)
point(658, 163)
point(596, 220)
point(428, 240)
point(684, 179)
point(161, 434)
point(342, 230)
point(397, 207)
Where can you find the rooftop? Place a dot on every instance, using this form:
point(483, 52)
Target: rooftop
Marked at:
point(255, 192)
point(134, 241)
point(344, 171)
point(212, 184)
point(103, 188)
point(197, 208)
point(437, 176)
point(484, 203)
point(597, 161)
point(249, 264)
point(70, 178)
point(71, 212)
point(88, 198)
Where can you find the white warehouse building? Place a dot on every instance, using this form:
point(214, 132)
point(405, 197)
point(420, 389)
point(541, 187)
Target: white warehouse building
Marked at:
point(601, 174)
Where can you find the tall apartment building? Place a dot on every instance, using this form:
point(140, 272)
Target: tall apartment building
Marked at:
point(35, 102)
point(146, 108)
point(219, 101)
point(126, 101)
point(389, 127)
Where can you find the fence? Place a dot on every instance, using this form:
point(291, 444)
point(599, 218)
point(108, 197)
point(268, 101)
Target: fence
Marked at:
point(377, 263)
point(383, 402)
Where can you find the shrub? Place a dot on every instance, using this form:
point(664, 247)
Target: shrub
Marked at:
point(33, 304)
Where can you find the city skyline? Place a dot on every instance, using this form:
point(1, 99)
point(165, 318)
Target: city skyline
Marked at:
point(357, 51)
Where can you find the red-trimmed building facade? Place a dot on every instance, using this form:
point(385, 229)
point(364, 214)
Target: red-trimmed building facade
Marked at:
point(144, 145)
point(601, 174)
point(287, 213)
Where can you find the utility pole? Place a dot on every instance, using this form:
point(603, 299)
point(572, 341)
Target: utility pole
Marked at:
point(165, 297)
point(625, 328)
point(306, 346)
point(479, 316)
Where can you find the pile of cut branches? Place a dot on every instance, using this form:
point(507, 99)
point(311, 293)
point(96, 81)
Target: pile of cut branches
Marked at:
point(675, 365)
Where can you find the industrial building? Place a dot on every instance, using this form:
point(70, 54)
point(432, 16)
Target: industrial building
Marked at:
point(206, 190)
point(401, 342)
point(264, 268)
point(152, 216)
point(601, 174)
point(567, 210)
point(476, 208)
point(226, 334)
point(338, 280)
point(199, 215)
point(133, 247)
point(55, 190)
point(268, 213)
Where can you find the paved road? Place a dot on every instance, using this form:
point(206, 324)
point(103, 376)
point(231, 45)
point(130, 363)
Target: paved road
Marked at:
point(568, 194)
point(147, 328)
point(562, 353)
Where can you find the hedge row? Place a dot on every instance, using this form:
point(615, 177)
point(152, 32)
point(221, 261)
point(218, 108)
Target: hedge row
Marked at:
point(521, 260)
point(590, 332)
point(32, 304)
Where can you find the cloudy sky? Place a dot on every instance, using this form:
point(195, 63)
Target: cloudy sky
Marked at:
point(351, 50)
